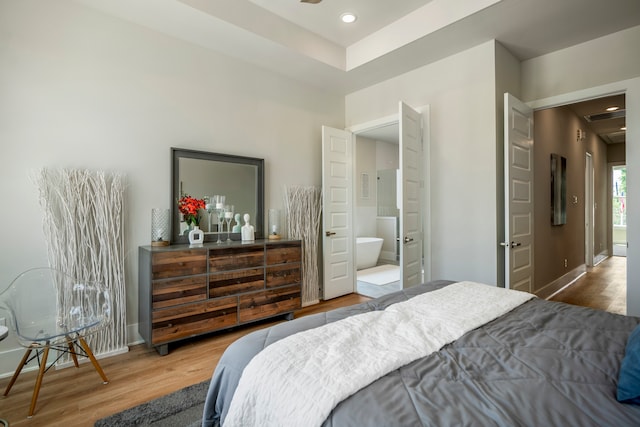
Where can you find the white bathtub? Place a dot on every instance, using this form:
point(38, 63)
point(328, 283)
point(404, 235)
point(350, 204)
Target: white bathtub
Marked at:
point(367, 251)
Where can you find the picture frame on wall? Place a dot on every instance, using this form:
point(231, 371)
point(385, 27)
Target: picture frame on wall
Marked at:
point(558, 189)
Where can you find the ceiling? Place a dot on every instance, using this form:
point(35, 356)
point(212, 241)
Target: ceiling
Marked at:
point(388, 133)
point(607, 128)
point(307, 42)
point(323, 18)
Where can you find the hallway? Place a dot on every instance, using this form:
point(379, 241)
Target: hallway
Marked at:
point(603, 287)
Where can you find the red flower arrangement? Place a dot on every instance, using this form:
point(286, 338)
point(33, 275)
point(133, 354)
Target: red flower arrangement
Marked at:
point(188, 207)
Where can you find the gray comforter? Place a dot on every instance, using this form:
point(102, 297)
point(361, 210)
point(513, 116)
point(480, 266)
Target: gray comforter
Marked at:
point(543, 364)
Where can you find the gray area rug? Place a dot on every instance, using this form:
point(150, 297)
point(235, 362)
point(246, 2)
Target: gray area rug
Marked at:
point(181, 408)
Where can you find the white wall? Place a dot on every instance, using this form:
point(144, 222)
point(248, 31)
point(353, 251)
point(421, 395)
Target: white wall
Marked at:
point(462, 157)
point(607, 65)
point(84, 90)
point(387, 155)
point(604, 60)
point(366, 208)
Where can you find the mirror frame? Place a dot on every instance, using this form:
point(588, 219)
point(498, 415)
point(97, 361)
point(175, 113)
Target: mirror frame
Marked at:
point(180, 153)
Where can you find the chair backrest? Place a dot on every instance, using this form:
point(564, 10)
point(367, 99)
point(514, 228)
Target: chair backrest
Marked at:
point(46, 305)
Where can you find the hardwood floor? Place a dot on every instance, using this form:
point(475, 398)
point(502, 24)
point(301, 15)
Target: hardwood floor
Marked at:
point(603, 287)
point(77, 397)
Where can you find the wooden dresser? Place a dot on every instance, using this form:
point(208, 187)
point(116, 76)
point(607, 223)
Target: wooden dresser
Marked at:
point(184, 292)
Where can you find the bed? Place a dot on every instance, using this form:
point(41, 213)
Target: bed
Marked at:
point(540, 363)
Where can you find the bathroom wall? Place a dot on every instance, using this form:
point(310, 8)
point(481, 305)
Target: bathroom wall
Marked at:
point(366, 187)
point(387, 156)
point(387, 183)
point(371, 157)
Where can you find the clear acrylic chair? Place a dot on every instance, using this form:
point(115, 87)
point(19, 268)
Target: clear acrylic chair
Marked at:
point(50, 310)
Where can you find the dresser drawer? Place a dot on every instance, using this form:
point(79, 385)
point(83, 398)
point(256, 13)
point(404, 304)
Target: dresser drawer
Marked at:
point(235, 282)
point(283, 274)
point(188, 320)
point(167, 293)
point(283, 253)
point(268, 303)
point(236, 258)
point(178, 263)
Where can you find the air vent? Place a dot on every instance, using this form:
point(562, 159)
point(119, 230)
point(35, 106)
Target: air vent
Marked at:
point(605, 116)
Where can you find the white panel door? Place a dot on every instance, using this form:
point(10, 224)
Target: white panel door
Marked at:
point(518, 171)
point(411, 191)
point(337, 204)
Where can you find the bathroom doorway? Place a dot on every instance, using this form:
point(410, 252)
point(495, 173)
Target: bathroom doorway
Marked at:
point(405, 239)
point(342, 223)
point(377, 209)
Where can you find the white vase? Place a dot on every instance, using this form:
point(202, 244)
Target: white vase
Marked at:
point(196, 237)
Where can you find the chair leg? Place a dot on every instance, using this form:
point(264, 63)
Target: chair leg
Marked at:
point(93, 359)
point(72, 351)
point(36, 390)
point(18, 370)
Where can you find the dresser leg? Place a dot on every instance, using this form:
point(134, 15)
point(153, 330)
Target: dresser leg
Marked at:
point(289, 316)
point(163, 349)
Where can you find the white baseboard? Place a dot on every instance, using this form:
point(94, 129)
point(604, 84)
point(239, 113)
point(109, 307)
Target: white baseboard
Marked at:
point(98, 356)
point(133, 337)
point(561, 283)
point(600, 257)
point(10, 358)
point(9, 361)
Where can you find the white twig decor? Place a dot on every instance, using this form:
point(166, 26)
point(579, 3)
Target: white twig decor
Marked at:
point(83, 221)
point(303, 207)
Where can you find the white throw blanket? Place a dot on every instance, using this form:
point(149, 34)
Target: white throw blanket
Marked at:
point(298, 380)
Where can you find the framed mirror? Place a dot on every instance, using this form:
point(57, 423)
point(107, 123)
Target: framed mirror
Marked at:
point(203, 175)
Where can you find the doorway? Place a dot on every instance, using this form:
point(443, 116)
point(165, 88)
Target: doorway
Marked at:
point(377, 160)
point(340, 238)
point(591, 138)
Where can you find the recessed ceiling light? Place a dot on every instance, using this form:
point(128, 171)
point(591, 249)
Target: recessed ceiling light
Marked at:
point(613, 108)
point(348, 17)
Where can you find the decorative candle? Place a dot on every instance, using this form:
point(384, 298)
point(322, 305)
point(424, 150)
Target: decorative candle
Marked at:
point(160, 219)
point(274, 224)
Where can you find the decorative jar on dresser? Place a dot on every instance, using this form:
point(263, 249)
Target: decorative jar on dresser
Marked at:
point(185, 292)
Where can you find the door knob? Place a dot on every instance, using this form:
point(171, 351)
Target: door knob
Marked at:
point(329, 233)
point(512, 244)
point(408, 239)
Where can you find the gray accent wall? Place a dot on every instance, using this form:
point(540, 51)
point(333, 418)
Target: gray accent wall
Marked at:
point(555, 132)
